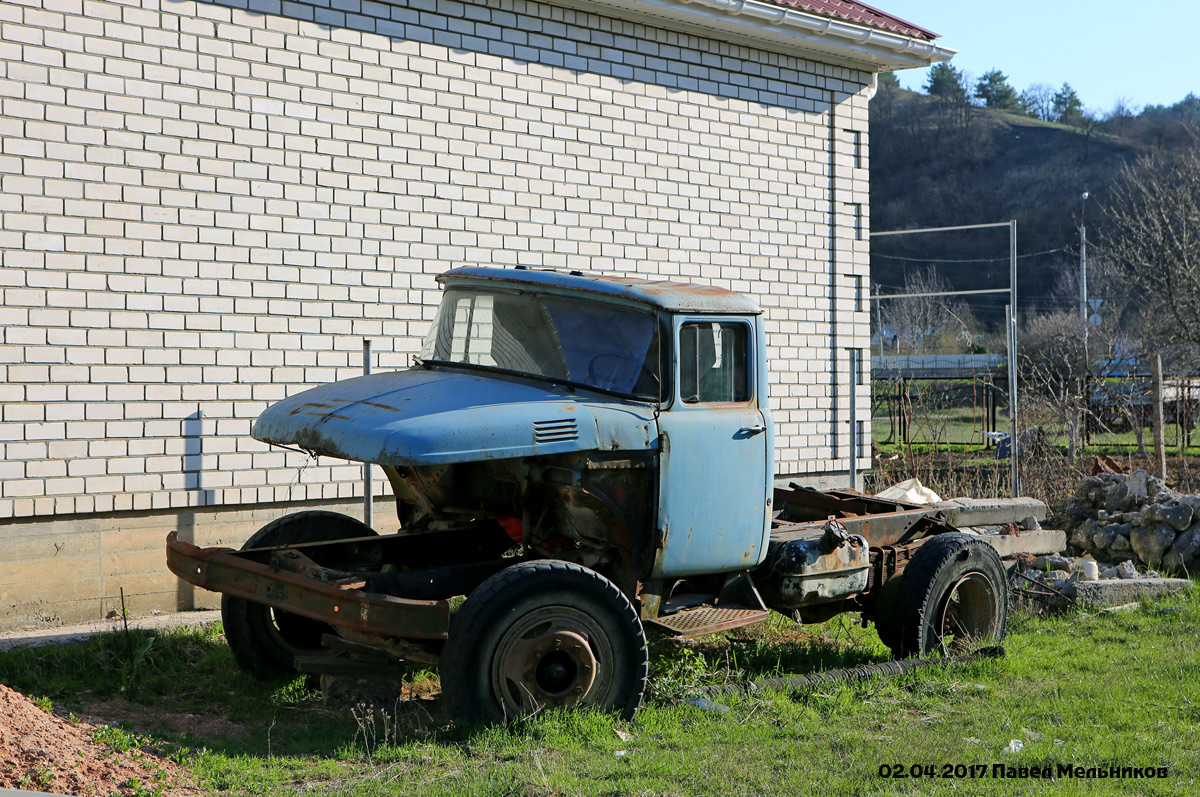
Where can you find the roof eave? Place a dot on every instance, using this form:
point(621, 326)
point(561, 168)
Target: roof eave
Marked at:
point(774, 27)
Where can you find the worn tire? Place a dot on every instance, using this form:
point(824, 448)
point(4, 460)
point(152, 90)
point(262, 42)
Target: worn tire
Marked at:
point(264, 640)
point(954, 596)
point(542, 635)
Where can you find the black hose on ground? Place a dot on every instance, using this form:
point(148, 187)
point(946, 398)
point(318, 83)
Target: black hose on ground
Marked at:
point(802, 683)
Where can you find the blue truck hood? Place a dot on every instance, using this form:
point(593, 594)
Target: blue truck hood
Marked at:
point(433, 417)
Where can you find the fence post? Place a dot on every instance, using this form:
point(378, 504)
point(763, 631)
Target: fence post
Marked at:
point(1160, 446)
point(992, 391)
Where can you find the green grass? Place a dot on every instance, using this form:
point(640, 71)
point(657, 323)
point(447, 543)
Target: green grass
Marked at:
point(1110, 689)
point(945, 433)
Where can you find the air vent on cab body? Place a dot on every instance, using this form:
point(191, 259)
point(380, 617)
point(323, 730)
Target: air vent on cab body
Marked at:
point(559, 431)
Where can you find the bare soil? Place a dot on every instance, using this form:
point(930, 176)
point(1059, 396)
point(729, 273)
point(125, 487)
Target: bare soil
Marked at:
point(144, 719)
point(42, 751)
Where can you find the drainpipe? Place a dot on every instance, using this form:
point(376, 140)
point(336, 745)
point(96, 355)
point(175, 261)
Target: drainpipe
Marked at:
point(368, 498)
point(854, 442)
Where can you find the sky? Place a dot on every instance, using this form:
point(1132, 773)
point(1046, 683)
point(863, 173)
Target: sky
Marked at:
point(1145, 53)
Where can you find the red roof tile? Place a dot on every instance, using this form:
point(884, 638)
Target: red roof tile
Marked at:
point(859, 13)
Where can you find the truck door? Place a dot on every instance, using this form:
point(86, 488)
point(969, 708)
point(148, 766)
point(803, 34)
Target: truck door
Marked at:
point(715, 470)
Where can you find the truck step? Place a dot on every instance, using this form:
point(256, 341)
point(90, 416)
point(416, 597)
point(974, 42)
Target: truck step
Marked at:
point(707, 620)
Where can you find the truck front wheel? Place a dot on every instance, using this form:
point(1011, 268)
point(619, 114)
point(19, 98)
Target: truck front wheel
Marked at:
point(265, 640)
point(953, 595)
point(541, 635)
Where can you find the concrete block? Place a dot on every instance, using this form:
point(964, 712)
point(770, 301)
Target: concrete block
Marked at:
point(991, 511)
point(1039, 542)
point(1116, 592)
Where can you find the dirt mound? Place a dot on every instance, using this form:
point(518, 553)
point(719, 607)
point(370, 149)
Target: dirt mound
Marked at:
point(40, 751)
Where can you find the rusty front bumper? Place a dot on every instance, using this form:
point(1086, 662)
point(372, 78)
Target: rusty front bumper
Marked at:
point(222, 570)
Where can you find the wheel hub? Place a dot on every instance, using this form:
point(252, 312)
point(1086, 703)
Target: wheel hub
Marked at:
point(968, 613)
point(546, 662)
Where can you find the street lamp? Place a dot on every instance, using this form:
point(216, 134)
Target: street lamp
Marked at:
point(1083, 308)
point(1083, 313)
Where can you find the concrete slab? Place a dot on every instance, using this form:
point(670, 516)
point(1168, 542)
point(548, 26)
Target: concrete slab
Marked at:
point(991, 511)
point(1115, 592)
point(1038, 542)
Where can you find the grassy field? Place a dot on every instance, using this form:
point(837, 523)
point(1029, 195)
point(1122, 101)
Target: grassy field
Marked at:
point(1117, 689)
point(958, 430)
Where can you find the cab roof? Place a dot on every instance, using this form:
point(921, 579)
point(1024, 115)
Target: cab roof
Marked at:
point(674, 297)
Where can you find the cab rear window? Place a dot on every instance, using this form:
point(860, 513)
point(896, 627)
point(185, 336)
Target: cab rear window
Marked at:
point(713, 362)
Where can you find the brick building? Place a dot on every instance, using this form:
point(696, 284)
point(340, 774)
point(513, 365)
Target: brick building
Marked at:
point(207, 206)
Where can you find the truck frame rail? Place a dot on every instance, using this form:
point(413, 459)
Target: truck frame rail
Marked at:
point(223, 570)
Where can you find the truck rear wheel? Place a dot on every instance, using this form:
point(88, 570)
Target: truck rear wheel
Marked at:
point(541, 635)
point(264, 641)
point(954, 595)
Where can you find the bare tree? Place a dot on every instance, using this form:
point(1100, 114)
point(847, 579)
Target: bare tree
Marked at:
point(1067, 368)
point(1038, 101)
point(1052, 357)
point(1121, 117)
point(916, 323)
point(1153, 238)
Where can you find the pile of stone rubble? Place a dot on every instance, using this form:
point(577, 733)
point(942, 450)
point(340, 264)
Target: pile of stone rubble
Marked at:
point(1065, 578)
point(1132, 518)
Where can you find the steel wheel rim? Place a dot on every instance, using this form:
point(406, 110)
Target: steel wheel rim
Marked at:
point(968, 613)
point(555, 657)
point(280, 632)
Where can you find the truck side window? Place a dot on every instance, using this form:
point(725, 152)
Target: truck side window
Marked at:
point(713, 360)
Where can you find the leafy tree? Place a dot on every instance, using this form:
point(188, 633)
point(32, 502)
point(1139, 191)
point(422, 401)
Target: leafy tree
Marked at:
point(1067, 107)
point(995, 92)
point(888, 81)
point(947, 84)
point(1169, 126)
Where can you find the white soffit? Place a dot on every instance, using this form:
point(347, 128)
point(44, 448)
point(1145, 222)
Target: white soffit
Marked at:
point(773, 27)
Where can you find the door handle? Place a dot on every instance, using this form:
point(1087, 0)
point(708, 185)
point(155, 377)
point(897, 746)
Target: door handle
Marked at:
point(749, 431)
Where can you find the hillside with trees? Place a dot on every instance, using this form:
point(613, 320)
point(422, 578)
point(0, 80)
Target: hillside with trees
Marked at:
point(972, 154)
point(982, 152)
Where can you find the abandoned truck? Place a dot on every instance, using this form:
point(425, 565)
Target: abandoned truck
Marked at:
point(582, 458)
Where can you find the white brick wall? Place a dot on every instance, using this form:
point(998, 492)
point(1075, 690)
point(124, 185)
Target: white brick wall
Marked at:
point(206, 208)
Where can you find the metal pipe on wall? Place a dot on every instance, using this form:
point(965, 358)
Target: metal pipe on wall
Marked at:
point(368, 498)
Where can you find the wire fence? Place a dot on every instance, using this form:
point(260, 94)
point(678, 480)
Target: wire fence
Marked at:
point(969, 414)
point(966, 420)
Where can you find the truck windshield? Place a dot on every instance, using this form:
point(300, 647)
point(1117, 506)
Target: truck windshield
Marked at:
point(548, 337)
